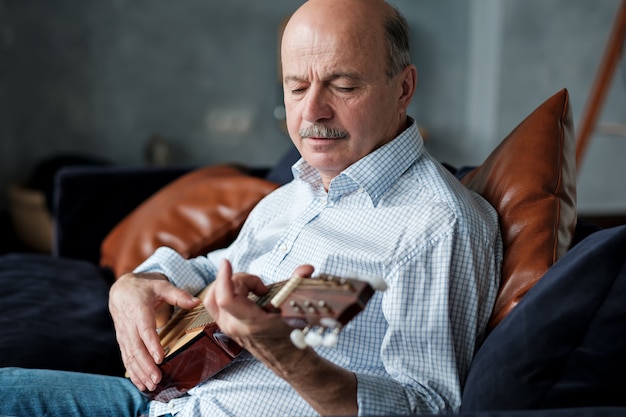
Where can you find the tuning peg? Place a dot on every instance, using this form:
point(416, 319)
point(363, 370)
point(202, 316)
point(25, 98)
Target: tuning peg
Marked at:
point(314, 339)
point(297, 337)
point(375, 282)
point(330, 323)
point(331, 339)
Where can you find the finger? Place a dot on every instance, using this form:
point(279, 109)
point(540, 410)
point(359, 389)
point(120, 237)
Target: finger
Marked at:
point(174, 296)
point(147, 352)
point(224, 272)
point(132, 302)
point(231, 291)
point(304, 271)
point(228, 301)
point(141, 369)
point(244, 283)
point(166, 293)
point(132, 350)
point(138, 360)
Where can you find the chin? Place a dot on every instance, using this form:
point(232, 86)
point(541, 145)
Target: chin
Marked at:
point(326, 163)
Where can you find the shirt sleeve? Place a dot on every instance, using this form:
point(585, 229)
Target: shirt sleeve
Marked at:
point(436, 307)
point(195, 274)
point(191, 275)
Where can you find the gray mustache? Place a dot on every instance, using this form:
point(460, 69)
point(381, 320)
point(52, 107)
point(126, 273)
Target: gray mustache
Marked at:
point(321, 131)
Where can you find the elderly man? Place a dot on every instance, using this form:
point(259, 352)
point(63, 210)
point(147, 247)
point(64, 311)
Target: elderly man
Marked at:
point(367, 199)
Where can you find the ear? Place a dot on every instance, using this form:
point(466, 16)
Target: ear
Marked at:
point(408, 82)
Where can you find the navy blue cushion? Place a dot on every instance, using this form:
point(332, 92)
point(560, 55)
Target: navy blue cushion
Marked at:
point(281, 172)
point(562, 412)
point(54, 315)
point(90, 201)
point(564, 345)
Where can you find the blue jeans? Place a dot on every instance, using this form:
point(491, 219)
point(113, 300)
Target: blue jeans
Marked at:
point(37, 392)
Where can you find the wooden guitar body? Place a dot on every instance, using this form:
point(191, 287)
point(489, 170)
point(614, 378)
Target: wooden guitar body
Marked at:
point(196, 349)
point(204, 355)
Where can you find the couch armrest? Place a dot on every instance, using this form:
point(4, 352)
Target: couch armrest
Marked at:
point(90, 201)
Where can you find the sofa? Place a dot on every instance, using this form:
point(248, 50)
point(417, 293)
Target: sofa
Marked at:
point(556, 344)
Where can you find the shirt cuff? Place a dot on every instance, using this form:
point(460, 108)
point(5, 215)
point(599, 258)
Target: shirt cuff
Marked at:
point(178, 270)
point(377, 395)
point(380, 396)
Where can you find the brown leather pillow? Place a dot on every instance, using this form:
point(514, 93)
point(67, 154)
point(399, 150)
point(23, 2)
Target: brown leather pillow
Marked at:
point(194, 214)
point(530, 179)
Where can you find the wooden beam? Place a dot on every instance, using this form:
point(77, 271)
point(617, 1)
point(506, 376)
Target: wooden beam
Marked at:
point(602, 82)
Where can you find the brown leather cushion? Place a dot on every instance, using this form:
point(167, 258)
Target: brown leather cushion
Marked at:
point(530, 178)
point(198, 212)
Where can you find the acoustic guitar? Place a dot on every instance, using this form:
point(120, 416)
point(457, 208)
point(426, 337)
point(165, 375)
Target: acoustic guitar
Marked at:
point(317, 308)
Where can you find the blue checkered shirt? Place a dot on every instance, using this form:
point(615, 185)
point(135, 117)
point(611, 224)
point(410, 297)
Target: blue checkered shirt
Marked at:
point(397, 214)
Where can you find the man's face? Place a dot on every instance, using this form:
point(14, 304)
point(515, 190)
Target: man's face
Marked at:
point(339, 101)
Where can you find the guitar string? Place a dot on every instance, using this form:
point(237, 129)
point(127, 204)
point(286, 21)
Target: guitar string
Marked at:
point(199, 316)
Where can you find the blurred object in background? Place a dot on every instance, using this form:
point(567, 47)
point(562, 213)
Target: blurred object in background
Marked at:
point(31, 204)
point(31, 218)
point(158, 151)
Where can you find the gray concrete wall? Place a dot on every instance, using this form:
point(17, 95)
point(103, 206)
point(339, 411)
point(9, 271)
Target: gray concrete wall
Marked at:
point(552, 44)
point(100, 78)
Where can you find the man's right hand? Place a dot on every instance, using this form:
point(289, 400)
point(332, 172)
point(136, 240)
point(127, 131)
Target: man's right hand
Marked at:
point(134, 300)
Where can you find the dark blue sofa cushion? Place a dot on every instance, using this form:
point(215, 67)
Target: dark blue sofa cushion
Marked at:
point(564, 345)
point(281, 172)
point(54, 315)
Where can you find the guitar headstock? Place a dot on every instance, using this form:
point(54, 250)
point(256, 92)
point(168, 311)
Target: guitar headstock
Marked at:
point(319, 307)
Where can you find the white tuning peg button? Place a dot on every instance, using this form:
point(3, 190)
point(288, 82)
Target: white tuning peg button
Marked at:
point(375, 282)
point(313, 339)
point(330, 323)
point(330, 339)
point(297, 338)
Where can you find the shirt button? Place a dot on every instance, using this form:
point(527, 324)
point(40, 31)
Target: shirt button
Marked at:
point(170, 405)
point(283, 248)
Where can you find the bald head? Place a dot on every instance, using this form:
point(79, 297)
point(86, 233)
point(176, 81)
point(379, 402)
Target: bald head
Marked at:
point(346, 10)
point(347, 80)
point(371, 23)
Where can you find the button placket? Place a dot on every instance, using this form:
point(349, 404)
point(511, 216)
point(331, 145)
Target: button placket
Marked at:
point(286, 243)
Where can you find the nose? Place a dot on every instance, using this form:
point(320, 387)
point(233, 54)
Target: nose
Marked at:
point(316, 105)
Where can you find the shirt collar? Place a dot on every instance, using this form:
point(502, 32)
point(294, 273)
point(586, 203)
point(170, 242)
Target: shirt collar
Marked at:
point(375, 173)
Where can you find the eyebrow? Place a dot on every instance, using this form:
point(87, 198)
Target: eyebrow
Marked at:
point(331, 77)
